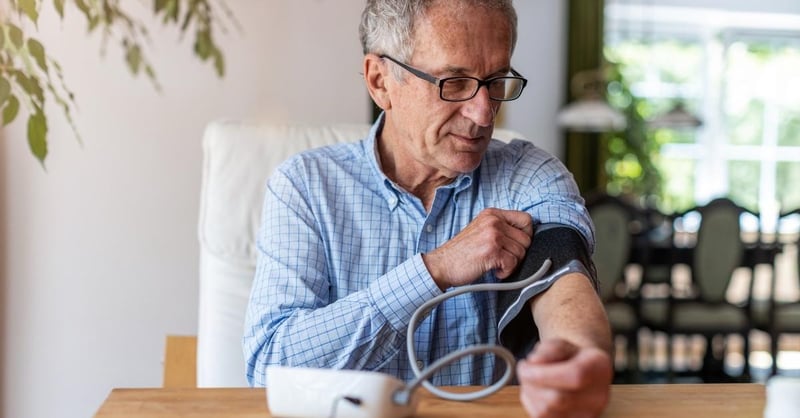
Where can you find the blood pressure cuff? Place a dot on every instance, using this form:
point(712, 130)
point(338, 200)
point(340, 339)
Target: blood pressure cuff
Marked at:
point(569, 253)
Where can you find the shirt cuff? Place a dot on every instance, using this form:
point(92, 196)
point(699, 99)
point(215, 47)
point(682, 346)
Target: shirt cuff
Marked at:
point(402, 290)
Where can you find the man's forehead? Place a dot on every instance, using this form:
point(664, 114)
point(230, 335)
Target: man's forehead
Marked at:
point(462, 44)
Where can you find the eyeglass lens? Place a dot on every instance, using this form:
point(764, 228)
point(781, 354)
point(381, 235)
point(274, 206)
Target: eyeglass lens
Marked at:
point(464, 88)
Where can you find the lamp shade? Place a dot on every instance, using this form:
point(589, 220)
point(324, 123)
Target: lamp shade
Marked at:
point(591, 115)
point(676, 118)
point(589, 112)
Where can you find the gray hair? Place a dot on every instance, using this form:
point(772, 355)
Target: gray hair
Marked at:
point(387, 26)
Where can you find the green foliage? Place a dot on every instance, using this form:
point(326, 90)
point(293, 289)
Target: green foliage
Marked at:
point(29, 77)
point(630, 166)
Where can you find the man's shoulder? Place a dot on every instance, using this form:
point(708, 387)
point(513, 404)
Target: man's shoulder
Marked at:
point(515, 146)
point(515, 152)
point(331, 155)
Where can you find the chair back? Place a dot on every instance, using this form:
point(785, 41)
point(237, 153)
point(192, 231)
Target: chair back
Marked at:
point(718, 250)
point(612, 218)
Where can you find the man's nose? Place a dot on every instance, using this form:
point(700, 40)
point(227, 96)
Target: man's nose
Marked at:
point(480, 109)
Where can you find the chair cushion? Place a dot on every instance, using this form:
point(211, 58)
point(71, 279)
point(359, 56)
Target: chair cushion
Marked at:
point(787, 318)
point(238, 157)
point(706, 318)
point(622, 317)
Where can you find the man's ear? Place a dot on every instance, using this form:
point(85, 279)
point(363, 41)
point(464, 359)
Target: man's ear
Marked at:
point(375, 74)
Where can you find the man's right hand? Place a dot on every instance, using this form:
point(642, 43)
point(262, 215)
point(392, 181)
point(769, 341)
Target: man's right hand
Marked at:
point(496, 239)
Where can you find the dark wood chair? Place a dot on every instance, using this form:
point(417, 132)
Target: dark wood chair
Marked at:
point(612, 218)
point(779, 316)
point(716, 254)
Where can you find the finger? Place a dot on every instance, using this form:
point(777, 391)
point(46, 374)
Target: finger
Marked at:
point(549, 351)
point(583, 370)
point(515, 218)
point(509, 258)
point(562, 375)
point(519, 220)
point(517, 235)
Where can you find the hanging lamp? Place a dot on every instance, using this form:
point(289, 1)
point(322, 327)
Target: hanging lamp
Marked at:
point(590, 112)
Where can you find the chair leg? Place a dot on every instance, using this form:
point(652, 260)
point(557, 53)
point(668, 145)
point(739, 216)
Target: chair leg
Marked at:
point(746, 353)
point(773, 348)
point(632, 360)
point(712, 369)
point(670, 372)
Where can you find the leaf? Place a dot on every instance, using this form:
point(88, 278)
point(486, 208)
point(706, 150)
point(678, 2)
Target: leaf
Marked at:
point(203, 44)
point(173, 11)
point(37, 134)
point(60, 75)
point(5, 90)
point(134, 58)
point(29, 8)
point(31, 86)
point(109, 13)
point(188, 18)
point(65, 106)
point(151, 74)
point(219, 62)
point(84, 8)
point(94, 21)
point(159, 5)
point(59, 5)
point(11, 110)
point(15, 35)
point(37, 51)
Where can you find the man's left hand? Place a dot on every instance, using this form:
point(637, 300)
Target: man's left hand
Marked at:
point(561, 379)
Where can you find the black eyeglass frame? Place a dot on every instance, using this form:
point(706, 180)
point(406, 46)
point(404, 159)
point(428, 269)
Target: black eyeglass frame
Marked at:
point(439, 82)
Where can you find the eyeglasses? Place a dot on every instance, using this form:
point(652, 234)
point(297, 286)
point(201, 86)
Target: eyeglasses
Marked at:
point(459, 89)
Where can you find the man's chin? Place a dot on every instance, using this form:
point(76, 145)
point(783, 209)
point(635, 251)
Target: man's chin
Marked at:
point(467, 164)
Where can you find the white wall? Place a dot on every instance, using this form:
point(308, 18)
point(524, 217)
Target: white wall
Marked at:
point(98, 254)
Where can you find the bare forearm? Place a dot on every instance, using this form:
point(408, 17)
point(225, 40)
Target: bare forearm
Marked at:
point(571, 310)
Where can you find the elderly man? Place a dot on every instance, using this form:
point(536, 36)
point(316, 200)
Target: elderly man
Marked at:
point(356, 236)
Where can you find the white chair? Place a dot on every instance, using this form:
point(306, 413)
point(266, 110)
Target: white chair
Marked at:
point(238, 157)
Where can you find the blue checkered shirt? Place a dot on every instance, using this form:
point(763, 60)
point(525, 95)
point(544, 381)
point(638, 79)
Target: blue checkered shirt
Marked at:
point(340, 272)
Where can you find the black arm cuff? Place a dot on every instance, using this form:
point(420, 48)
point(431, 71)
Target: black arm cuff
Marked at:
point(568, 252)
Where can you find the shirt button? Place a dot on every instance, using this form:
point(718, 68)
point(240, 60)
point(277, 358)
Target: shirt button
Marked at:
point(420, 364)
point(429, 228)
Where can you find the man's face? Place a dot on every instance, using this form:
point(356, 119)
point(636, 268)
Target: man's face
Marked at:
point(449, 138)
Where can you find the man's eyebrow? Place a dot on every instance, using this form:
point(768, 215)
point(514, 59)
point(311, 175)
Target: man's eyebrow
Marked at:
point(461, 71)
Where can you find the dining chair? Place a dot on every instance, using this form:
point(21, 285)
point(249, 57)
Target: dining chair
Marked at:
point(612, 218)
point(783, 316)
point(706, 311)
point(655, 255)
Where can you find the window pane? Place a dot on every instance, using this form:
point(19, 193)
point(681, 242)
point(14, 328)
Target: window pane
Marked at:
point(743, 104)
point(679, 180)
point(788, 185)
point(789, 130)
point(743, 182)
point(787, 64)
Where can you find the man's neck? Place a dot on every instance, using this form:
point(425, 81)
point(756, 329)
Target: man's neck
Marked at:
point(407, 173)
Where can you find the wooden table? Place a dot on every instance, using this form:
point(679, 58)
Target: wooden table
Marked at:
point(739, 400)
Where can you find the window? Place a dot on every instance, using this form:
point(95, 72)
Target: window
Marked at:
point(739, 72)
